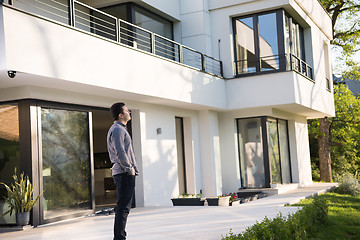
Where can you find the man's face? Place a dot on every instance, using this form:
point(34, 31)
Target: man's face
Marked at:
point(126, 115)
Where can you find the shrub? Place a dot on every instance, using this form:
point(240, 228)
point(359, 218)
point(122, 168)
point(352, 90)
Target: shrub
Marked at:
point(300, 225)
point(349, 185)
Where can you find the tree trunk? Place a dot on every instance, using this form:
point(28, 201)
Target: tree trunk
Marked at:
point(324, 150)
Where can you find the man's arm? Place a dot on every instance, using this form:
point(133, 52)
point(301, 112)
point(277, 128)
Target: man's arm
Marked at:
point(122, 159)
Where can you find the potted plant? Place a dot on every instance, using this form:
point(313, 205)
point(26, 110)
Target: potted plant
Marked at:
point(187, 199)
point(20, 198)
point(218, 201)
point(233, 199)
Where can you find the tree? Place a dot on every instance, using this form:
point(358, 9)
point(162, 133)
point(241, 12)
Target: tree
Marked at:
point(345, 16)
point(344, 132)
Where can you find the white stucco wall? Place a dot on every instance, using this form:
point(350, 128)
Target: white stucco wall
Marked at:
point(159, 153)
point(300, 151)
point(69, 56)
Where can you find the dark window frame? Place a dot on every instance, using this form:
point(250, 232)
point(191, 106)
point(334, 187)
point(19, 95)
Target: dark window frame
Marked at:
point(130, 14)
point(265, 145)
point(280, 23)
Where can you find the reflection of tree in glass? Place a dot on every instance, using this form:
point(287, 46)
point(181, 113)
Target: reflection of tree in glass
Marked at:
point(274, 152)
point(65, 145)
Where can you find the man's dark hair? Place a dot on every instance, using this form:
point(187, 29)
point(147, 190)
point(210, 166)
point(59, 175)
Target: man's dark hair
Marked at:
point(116, 109)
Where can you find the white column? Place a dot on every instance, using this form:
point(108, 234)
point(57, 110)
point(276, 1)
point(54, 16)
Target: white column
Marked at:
point(300, 152)
point(210, 153)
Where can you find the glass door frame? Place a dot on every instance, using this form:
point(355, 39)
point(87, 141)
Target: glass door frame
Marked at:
point(265, 144)
point(37, 115)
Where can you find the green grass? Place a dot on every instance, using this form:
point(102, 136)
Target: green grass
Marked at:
point(343, 221)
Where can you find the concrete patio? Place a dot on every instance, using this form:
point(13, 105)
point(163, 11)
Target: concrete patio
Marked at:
point(160, 223)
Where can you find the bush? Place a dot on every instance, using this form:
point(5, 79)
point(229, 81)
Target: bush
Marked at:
point(300, 225)
point(349, 185)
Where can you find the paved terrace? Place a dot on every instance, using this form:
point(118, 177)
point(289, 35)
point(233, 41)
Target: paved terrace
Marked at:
point(160, 223)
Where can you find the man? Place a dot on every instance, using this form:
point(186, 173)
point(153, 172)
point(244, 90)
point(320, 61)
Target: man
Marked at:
point(124, 167)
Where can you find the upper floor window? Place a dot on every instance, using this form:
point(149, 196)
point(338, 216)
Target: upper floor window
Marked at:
point(141, 17)
point(269, 42)
point(294, 38)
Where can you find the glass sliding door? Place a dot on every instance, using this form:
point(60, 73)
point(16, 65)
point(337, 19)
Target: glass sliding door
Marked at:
point(180, 154)
point(263, 152)
point(284, 151)
point(65, 162)
point(9, 153)
point(274, 151)
point(251, 153)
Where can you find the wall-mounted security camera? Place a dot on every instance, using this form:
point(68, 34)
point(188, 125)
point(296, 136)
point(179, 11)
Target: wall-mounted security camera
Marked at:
point(12, 74)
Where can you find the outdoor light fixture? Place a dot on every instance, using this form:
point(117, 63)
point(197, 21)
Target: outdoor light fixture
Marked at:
point(11, 74)
point(158, 131)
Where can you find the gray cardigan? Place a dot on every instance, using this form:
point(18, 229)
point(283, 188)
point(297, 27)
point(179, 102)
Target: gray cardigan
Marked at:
point(120, 150)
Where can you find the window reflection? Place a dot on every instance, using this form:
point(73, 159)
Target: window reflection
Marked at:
point(9, 153)
point(251, 153)
point(284, 151)
point(274, 154)
point(66, 162)
point(245, 46)
point(268, 42)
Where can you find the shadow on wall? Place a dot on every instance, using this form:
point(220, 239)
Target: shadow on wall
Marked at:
point(160, 173)
point(159, 161)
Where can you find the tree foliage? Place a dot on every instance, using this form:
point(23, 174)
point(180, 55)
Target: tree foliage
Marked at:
point(344, 135)
point(345, 16)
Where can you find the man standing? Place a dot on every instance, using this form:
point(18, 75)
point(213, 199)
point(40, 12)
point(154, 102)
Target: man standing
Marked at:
point(124, 167)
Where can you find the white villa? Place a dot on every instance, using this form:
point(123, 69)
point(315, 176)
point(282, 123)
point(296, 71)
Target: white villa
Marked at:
point(220, 93)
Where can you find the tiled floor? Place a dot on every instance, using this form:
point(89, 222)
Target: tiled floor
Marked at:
point(148, 223)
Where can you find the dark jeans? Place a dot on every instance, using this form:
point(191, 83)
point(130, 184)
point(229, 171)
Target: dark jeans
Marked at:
point(125, 188)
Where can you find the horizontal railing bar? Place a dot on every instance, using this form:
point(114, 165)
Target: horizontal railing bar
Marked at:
point(166, 54)
point(108, 33)
point(170, 49)
point(94, 9)
point(133, 25)
point(46, 11)
point(164, 44)
point(167, 39)
point(51, 6)
point(130, 36)
point(132, 33)
point(59, 3)
point(91, 16)
point(132, 41)
point(95, 23)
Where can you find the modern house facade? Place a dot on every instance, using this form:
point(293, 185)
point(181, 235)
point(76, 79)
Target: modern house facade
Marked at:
point(220, 93)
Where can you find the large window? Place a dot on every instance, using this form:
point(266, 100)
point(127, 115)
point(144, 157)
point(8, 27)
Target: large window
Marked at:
point(9, 153)
point(65, 162)
point(263, 151)
point(268, 42)
point(251, 153)
point(141, 17)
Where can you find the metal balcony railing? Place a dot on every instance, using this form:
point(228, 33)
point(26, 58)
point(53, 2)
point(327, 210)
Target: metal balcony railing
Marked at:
point(286, 62)
point(86, 18)
point(296, 64)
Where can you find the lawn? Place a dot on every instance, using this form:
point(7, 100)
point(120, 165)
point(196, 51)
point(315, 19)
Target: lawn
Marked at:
point(343, 221)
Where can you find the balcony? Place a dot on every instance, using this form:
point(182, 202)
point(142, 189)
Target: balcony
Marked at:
point(277, 63)
point(86, 18)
